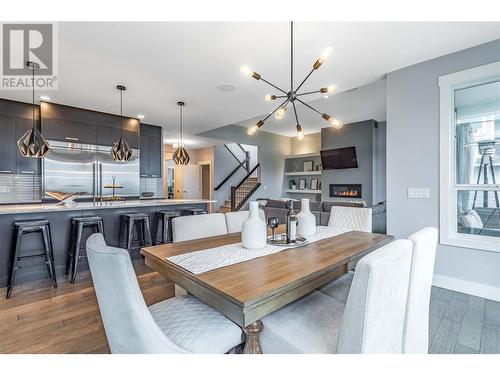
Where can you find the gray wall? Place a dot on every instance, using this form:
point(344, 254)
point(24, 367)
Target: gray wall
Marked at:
point(361, 135)
point(380, 164)
point(413, 160)
point(224, 163)
point(272, 151)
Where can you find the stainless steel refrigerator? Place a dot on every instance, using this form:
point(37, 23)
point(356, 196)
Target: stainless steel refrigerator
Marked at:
point(72, 167)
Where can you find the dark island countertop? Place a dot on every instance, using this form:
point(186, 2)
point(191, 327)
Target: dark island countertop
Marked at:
point(60, 217)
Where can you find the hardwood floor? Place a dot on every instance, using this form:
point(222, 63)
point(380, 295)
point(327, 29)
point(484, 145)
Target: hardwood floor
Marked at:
point(39, 319)
point(463, 324)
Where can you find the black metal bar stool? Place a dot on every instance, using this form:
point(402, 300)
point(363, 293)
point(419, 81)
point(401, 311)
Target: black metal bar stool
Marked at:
point(164, 226)
point(24, 227)
point(141, 222)
point(193, 211)
point(75, 243)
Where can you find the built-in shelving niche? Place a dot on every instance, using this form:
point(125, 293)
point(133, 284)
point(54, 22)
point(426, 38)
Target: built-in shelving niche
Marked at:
point(294, 171)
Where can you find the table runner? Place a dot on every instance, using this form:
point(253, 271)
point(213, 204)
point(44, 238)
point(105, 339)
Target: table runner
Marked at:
point(210, 259)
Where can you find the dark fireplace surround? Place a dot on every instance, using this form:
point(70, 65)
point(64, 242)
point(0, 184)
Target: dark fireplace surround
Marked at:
point(345, 191)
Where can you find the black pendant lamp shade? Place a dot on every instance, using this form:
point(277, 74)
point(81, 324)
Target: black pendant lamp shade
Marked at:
point(32, 144)
point(121, 151)
point(181, 156)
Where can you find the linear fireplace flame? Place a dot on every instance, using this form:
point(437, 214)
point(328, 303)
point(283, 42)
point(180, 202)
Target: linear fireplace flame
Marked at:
point(345, 191)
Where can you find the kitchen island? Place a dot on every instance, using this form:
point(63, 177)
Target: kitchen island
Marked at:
point(60, 217)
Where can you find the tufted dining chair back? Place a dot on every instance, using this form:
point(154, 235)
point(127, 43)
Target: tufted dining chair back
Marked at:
point(351, 218)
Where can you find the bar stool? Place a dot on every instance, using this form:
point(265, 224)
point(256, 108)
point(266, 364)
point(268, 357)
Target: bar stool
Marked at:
point(24, 227)
point(164, 226)
point(193, 211)
point(141, 222)
point(77, 226)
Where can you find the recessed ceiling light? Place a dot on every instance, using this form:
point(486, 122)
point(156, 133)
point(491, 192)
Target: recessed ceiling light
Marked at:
point(44, 97)
point(226, 87)
point(142, 117)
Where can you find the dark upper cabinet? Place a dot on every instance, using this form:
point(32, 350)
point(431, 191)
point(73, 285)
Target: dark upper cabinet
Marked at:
point(107, 136)
point(71, 124)
point(7, 144)
point(15, 120)
point(155, 151)
point(68, 131)
point(26, 165)
point(150, 151)
point(144, 156)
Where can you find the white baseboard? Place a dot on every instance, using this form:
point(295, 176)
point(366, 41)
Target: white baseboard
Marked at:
point(468, 287)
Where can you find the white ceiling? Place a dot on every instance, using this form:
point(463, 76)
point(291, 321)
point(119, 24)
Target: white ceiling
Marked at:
point(161, 63)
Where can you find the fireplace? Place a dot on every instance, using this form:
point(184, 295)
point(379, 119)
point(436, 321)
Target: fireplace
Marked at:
point(345, 190)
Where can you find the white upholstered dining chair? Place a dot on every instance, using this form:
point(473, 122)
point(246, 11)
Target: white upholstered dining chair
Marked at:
point(416, 335)
point(176, 325)
point(372, 320)
point(234, 220)
point(193, 227)
point(346, 219)
point(351, 218)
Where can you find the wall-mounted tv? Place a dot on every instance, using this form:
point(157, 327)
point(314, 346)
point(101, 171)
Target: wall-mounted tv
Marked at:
point(339, 158)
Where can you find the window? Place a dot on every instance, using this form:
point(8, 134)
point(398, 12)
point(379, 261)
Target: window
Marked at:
point(470, 158)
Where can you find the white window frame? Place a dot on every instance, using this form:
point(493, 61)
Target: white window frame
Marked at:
point(448, 188)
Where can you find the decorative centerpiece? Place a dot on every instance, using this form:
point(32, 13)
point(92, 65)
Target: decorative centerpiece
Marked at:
point(254, 231)
point(65, 199)
point(307, 220)
point(114, 197)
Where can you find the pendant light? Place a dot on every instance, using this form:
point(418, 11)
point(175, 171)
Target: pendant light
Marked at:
point(293, 94)
point(181, 156)
point(32, 144)
point(121, 151)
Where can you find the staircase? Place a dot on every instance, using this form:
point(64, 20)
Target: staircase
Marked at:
point(244, 190)
point(247, 186)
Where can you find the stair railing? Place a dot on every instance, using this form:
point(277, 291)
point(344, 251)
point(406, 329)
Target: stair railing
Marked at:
point(235, 204)
point(245, 164)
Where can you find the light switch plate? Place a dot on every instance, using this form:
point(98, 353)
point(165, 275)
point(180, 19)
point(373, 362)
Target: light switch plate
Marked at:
point(418, 193)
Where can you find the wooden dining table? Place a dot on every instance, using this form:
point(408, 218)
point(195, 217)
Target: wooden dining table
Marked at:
point(245, 292)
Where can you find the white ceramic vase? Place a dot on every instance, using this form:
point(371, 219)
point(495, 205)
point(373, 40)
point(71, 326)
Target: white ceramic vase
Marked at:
point(254, 231)
point(306, 220)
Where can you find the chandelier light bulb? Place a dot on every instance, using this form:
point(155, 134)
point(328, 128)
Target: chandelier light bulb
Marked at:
point(270, 98)
point(300, 133)
point(246, 70)
point(331, 88)
point(337, 124)
point(326, 53)
point(280, 113)
point(253, 129)
point(249, 72)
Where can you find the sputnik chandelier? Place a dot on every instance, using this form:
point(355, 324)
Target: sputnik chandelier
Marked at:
point(293, 94)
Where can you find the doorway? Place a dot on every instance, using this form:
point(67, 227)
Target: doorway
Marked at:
point(205, 181)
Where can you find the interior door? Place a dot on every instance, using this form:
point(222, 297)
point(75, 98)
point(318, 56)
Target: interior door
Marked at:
point(191, 181)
